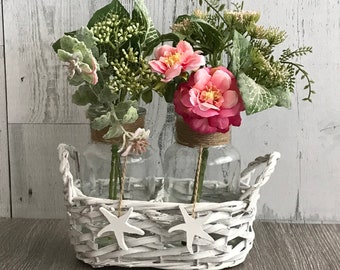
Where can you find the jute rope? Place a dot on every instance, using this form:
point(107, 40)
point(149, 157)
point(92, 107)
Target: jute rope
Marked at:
point(186, 136)
point(97, 135)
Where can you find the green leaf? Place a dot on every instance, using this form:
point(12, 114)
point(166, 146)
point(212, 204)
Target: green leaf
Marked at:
point(114, 7)
point(57, 45)
point(84, 95)
point(81, 49)
point(67, 43)
point(102, 61)
point(96, 110)
point(170, 89)
point(255, 97)
point(147, 96)
point(283, 97)
point(152, 36)
point(213, 38)
point(64, 55)
point(240, 53)
point(114, 131)
point(174, 37)
point(131, 116)
point(122, 108)
point(107, 95)
point(87, 36)
point(102, 121)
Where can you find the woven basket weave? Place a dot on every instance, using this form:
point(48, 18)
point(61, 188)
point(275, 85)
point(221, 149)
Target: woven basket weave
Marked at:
point(230, 224)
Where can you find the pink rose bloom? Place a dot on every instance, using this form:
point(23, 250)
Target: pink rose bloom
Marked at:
point(173, 61)
point(209, 101)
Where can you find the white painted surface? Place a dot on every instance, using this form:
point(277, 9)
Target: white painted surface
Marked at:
point(4, 176)
point(305, 186)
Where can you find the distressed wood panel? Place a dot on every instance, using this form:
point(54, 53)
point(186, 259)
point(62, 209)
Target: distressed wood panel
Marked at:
point(37, 87)
point(305, 186)
point(4, 173)
point(37, 189)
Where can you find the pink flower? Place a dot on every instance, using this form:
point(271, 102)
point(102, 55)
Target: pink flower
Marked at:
point(172, 61)
point(210, 100)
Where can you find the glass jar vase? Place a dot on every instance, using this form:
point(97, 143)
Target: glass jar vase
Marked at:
point(139, 171)
point(207, 158)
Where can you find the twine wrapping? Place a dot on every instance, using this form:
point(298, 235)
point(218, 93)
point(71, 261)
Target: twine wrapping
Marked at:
point(186, 136)
point(97, 135)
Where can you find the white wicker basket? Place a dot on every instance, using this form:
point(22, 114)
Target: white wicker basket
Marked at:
point(229, 224)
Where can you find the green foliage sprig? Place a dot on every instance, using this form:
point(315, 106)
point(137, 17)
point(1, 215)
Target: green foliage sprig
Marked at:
point(106, 60)
point(249, 48)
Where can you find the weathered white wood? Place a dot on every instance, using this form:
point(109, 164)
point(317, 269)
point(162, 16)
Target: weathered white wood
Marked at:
point(37, 87)
point(305, 186)
point(37, 189)
point(4, 173)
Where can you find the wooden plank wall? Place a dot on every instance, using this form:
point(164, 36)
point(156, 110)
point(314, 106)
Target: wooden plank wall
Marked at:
point(305, 186)
point(4, 170)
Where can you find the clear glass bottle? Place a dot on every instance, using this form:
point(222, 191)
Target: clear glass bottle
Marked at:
point(140, 181)
point(222, 167)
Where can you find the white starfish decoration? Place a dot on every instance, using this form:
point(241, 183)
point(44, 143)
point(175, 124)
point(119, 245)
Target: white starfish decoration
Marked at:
point(119, 226)
point(192, 227)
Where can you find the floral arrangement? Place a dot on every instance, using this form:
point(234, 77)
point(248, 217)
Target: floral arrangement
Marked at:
point(107, 62)
point(220, 63)
point(210, 96)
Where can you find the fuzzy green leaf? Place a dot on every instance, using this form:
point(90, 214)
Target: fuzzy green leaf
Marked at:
point(86, 35)
point(256, 98)
point(84, 95)
point(283, 97)
point(102, 121)
point(67, 43)
point(114, 131)
point(102, 61)
point(122, 109)
point(64, 55)
point(130, 116)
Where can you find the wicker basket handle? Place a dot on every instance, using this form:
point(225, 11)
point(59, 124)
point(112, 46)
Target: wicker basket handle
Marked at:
point(70, 190)
point(252, 192)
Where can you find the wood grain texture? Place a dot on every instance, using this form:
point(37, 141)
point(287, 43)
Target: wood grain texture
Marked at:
point(305, 186)
point(44, 244)
point(37, 88)
point(4, 172)
point(36, 181)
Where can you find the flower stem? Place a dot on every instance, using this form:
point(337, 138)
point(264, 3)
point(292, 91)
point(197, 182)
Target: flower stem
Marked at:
point(202, 165)
point(114, 173)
